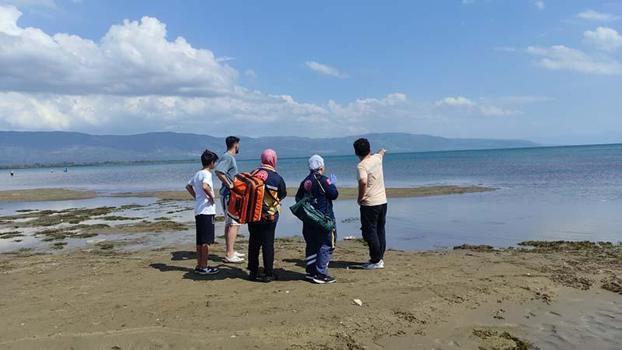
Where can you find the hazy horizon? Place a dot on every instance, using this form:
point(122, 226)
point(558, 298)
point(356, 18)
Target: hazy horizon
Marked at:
point(538, 144)
point(546, 71)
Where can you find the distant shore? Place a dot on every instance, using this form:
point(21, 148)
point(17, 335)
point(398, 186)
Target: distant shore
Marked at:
point(346, 193)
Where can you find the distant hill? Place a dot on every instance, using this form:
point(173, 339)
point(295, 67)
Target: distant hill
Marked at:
point(28, 148)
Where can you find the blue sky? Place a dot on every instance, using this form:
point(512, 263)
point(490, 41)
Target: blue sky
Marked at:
point(548, 71)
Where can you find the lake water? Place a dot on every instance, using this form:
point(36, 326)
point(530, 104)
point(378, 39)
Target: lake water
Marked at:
point(572, 193)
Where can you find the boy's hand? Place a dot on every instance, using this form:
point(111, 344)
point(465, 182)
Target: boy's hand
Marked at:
point(382, 151)
point(333, 179)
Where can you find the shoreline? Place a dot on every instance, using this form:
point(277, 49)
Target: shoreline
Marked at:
point(466, 298)
point(345, 193)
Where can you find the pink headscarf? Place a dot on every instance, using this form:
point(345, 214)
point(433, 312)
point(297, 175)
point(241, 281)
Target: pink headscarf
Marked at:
point(268, 157)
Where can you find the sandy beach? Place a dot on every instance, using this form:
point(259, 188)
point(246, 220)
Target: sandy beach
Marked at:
point(57, 194)
point(547, 295)
point(474, 297)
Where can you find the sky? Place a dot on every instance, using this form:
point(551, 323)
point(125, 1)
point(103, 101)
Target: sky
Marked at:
point(548, 71)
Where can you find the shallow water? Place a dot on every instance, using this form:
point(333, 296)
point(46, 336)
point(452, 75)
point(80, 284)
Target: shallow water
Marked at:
point(572, 193)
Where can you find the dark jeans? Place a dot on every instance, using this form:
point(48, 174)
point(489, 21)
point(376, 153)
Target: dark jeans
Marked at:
point(261, 237)
point(373, 220)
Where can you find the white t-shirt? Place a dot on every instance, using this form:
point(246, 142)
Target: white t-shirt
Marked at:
point(204, 205)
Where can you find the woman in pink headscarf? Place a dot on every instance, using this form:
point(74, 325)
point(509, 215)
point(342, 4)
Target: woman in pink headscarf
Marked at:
point(262, 232)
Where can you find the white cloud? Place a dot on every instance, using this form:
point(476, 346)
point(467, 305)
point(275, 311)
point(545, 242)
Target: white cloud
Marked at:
point(467, 105)
point(560, 57)
point(539, 4)
point(31, 3)
point(603, 38)
point(132, 58)
point(455, 101)
point(135, 79)
point(591, 15)
point(325, 69)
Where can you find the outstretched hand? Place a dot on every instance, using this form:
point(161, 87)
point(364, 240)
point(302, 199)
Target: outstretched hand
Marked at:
point(333, 179)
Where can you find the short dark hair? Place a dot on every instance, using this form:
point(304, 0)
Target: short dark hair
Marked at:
point(361, 147)
point(208, 157)
point(231, 141)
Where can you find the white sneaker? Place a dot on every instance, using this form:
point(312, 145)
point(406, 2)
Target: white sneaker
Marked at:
point(233, 259)
point(239, 255)
point(372, 266)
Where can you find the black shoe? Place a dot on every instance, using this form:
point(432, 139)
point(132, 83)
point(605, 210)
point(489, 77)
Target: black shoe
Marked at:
point(268, 279)
point(207, 271)
point(323, 279)
point(252, 276)
point(309, 277)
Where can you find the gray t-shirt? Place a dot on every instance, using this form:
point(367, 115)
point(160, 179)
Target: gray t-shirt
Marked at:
point(227, 165)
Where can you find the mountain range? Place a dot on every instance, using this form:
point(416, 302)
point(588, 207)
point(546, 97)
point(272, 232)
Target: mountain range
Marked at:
point(41, 148)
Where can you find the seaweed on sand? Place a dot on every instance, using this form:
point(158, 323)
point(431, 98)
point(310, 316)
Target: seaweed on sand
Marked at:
point(476, 248)
point(10, 234)
point(56, 217)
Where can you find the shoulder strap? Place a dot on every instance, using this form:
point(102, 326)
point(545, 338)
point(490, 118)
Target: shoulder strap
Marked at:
point(319, 183)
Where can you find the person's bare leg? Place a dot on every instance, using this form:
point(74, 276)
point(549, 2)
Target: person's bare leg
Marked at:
point(231, 233)
point(199, 254)
point(204, 255)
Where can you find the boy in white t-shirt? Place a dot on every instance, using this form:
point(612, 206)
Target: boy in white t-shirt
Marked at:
point(201, 188)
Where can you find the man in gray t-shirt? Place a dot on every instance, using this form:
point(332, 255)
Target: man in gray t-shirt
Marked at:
point(226, 169)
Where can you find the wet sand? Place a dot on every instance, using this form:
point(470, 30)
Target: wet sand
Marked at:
point(345, 193)
point(44, 194)
point(554, 295)
point(60, 194)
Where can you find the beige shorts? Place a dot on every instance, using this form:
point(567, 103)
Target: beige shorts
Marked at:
point(229, 221)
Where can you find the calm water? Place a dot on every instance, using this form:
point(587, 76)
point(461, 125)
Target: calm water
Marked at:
point(544, 193)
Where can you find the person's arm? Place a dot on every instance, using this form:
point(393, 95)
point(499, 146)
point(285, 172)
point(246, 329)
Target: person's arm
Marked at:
point(190, 190)
point(224, 179)
point(301, 192)
point(330, 188)
point(382, 152)
point(362, 189)
point(222, 168)
point(282, 193)
point(362, 176)
point(208, 191)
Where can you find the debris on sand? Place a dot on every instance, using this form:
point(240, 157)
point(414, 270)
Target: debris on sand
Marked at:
point(56, 217)
point(566, 245)
point(612, 284)
point(59, 245)
point(476, 248)
point(10, 234)
point(147, 226)
point(494, 339)
point(579, 261)
point(117, 218)
point(105, 245)
point(358, 302)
